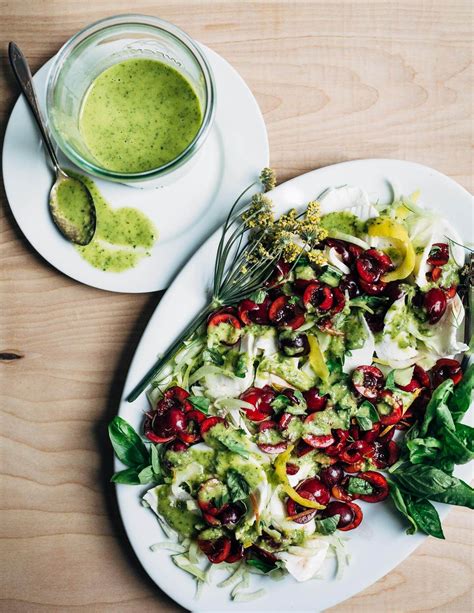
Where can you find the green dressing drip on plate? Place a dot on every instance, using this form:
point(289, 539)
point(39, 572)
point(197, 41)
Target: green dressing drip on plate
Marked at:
point(139, 115)
point(122, 238)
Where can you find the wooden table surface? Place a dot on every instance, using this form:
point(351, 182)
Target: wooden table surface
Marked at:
point(336, 81)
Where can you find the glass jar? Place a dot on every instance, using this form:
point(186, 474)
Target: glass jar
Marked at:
point(103, 44)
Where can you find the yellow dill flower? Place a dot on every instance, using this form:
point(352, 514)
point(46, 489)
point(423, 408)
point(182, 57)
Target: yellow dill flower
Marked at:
point(260, 212)
point(316, 257)
point(268, 179)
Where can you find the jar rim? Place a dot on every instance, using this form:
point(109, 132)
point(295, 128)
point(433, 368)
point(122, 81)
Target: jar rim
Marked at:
point(142, 20)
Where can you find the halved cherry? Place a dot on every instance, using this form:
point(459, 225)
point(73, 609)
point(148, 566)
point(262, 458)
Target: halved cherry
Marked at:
point(315, 486)
point(292, 469)
point(373, 289)
point(252, 312)
point(446, 368)
point(298, 513)
point(284, 312)
point(174, 397)
point(177, 446)
point(209, 423)
point(261, 399)
point(262, 554)
point(436, 273)
point(331, 475)
point(154, 438)
point(232, 514)
point(354, 468)
point(192, 433)
point(349, 284)
point(389, 407)
point(303, 448)
point(339, 300)
point(216, 549)
point(369, 436)
point(318, 296)
point(211, 520)
point(318, 441)
point(435, 304)
point(212, 496)
point(368, 381)
point(340, 492)
point(336, 448)
point(368, 270)
point(439, 254)
point(294, 344)
point(350, 514)
point(225, 317)
point(268, 432)
point(314, 401)
point(378, 483)
point(280, 273)
point(357, 452)
point(420, 379)
point(451, 291)
point(236, 552)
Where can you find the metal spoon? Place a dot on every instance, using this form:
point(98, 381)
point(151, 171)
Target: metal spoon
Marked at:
point(80, 232)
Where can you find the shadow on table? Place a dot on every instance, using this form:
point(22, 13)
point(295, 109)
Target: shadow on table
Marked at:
point(103, 443)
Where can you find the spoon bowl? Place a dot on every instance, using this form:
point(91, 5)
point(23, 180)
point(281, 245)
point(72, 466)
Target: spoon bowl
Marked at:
point(71, 204)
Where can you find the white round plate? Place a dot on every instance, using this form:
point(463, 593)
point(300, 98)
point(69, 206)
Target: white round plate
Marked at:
point(380, 543)
point(185, 213)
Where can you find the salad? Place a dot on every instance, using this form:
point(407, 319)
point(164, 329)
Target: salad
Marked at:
point(332, 385)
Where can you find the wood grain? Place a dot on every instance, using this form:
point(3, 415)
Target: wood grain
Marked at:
point(336, 81)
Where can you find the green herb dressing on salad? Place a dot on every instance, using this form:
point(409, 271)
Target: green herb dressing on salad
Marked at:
point(344, 222)
point(122, 238)
point(175, 512)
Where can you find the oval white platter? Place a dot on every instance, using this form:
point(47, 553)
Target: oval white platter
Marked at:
point(184, 213)
point(380, 543)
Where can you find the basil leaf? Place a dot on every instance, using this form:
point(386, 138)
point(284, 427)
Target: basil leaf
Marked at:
point(201, 403)
point(426, 517)
point(359, 486)
point(463, 395)
point(366, 415)
point(328, 525)
point(424, 450)
point(235, 447)
point(155, 460)
point(460, 494)
point(146, 475)
point(400, 500)
point(129, 476)
point(238, 487)
point(240, 369)
point(437, 409)
point(423, 481)
point(261, 565)
point(258, 296)
point(280, 402)
point(458, 444)
point(390, 381)
point(128, 446)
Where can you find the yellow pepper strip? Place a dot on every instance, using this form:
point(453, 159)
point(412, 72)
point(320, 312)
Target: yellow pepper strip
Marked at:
point(280, 470)
point(316, 358)
point(387, 228)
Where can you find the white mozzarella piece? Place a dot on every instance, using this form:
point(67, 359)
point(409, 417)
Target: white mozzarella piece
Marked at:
point(361, 356)
point(304, 567)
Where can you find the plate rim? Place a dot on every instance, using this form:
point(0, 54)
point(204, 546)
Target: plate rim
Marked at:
point(415, 540)
point(77, 274)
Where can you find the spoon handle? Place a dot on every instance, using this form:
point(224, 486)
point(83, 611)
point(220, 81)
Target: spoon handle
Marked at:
point(25, 81)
